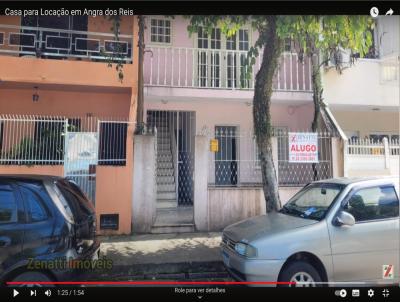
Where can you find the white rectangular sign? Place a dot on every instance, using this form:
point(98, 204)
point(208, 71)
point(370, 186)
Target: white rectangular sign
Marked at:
point(303, 147)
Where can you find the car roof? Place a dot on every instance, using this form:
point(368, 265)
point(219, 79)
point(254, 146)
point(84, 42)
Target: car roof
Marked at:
point(30, 177)
point(353, 180)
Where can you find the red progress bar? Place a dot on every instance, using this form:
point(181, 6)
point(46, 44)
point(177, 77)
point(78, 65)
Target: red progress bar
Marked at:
point(149, 283)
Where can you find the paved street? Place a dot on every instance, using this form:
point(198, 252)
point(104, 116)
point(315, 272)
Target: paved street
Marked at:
point(177, 257)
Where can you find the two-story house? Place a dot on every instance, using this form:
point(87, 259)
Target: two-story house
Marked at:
point(64, 112)
point(195, 85)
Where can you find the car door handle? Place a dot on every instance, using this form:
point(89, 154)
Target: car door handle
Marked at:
point(5, 241)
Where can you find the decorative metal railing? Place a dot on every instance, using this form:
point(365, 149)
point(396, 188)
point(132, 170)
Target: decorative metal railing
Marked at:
point(61, 43)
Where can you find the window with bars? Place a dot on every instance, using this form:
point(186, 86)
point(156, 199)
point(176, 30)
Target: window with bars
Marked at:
point(160, 31)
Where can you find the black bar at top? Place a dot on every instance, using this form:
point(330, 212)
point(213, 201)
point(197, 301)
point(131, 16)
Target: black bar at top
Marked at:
point(217, 7)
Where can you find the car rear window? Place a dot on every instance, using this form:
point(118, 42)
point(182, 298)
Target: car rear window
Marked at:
point(77, 202)
point(8, 204)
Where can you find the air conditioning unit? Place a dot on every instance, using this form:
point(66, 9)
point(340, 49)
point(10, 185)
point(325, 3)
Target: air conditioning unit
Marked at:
point(342, 57)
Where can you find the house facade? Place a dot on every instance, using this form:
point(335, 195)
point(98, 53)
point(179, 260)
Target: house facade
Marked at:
point(64, 112)
point(199, 100)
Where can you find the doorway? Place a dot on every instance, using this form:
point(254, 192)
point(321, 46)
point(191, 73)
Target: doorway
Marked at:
point(174, 165)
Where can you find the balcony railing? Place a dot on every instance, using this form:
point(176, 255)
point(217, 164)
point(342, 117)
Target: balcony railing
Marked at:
point(220, 69)
point(61, 43)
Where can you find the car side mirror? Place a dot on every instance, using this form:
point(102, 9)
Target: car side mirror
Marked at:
point(344, 218)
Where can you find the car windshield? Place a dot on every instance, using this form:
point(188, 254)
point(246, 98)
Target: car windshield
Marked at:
point(313, 201)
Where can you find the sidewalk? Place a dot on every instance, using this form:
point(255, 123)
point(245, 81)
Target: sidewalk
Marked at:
point(163, 256)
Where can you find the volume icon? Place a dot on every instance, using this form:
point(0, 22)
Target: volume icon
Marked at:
point(47, 293)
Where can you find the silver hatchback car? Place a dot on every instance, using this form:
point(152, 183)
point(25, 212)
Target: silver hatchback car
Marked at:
point(336, 231)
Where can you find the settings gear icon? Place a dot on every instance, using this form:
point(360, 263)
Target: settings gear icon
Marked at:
point(370, 293)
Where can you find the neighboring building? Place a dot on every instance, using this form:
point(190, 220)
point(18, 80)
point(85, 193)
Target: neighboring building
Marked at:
point(64, 112)
point(364, 99)
point(195, 86)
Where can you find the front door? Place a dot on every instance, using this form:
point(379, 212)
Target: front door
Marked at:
point(226, 167)
point(175, 156)
point(361, 252)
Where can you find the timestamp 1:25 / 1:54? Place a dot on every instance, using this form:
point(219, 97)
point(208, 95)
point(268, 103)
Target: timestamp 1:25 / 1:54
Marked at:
point(70, 292)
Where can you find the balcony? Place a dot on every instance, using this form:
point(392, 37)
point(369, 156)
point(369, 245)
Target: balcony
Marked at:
point(48, 56)
point(219, 70)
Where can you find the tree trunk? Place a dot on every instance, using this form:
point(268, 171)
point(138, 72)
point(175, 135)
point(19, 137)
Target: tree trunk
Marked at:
point(317, 100)
point(262, 114)
point(317, 91)
point(140, 99)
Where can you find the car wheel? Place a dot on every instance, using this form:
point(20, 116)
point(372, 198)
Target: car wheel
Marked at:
point(302, 273)
point(32, 277)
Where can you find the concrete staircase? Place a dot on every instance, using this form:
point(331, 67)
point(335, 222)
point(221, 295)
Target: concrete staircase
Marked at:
point(166, 187)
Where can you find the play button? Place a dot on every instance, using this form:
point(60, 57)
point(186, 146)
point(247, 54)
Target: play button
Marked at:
point(15, 293)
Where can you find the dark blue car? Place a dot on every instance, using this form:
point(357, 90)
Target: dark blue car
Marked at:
point(45, 223)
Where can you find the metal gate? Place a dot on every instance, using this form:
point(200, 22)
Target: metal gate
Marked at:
point(175, 156)
point(81, 154)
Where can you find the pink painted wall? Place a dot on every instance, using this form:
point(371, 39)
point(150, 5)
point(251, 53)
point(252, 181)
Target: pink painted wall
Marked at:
point(216, 112)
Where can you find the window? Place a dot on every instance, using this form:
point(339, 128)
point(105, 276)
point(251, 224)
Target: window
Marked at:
point(312, 202)
point(216, 38)
point(36, 208)
point(373, 203)
point(160, 31)
point(109, 221)
point(202, 38)
point(8, 205)
point(243, 39)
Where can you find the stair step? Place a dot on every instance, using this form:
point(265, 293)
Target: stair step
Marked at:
point(165, 172)
point(166, 195)
point(166, 188)
point(163, 180)
point(164, 165)
point(164, 153)
point(166, 203)
point(168, 229)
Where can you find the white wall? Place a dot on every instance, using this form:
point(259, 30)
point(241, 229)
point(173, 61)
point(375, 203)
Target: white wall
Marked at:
point(360, 85)
point(387, 35)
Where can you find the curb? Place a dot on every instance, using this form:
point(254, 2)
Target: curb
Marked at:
point(175, 271)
